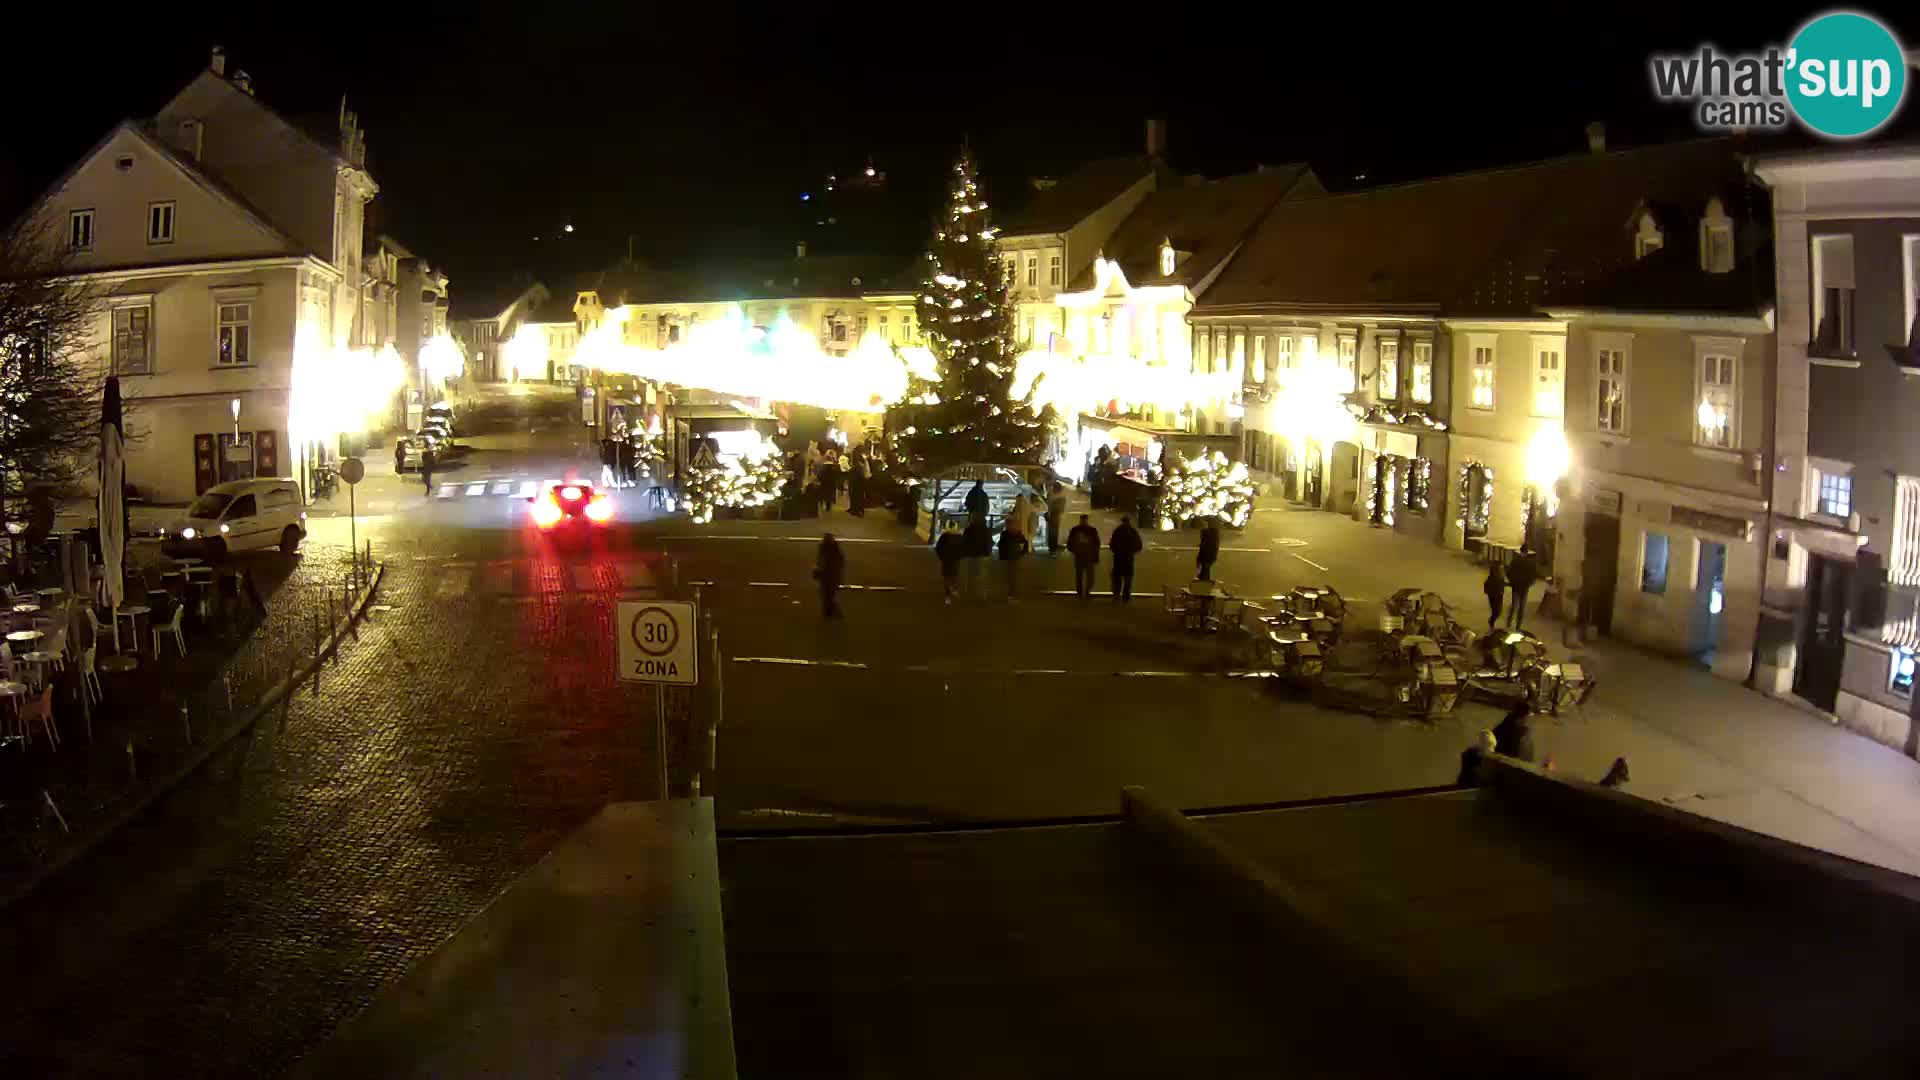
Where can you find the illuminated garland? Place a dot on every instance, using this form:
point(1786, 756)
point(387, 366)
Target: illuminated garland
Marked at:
point(1380, 493)
point(734, 484)
point(1482, 502)
point(1419, 483)
point(1207, 486)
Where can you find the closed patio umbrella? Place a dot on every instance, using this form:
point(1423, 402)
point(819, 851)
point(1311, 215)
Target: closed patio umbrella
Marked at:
point(113, 502)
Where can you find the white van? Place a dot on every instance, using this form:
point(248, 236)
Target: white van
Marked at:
point(240, 515)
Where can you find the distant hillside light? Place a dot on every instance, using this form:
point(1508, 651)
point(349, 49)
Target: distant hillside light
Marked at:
point(566, 228)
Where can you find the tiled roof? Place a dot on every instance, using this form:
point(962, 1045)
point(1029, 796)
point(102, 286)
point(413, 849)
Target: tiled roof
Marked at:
point(1076, 196)
point(1205, 219)
point(1502, 241)
point(756, 279)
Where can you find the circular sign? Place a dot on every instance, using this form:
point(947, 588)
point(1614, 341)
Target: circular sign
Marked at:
point(655, 631)
point(352, 470)
point(1848, 74)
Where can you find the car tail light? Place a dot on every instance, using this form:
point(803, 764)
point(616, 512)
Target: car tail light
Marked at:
point(546, 512)
point(600, 510)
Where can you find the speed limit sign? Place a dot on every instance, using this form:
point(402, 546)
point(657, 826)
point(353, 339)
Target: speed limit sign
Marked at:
point(655, 641)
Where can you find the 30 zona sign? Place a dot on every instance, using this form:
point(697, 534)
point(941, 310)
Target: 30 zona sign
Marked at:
point(655, 640)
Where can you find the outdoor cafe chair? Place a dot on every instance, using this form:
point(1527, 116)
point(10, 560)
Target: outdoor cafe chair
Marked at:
point(40, 709)
point(172, 627)
point(89, 678)
point(100, 632)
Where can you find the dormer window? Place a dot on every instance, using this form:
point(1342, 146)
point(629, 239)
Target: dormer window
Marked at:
point(1647, 238)
point(1167, 258)
point(1716, 239)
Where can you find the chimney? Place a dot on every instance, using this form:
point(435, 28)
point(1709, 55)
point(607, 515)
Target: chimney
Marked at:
point(244, 82)
point(1596, 138)
point(1156, 137)
point(800, 250)
point(219, 64)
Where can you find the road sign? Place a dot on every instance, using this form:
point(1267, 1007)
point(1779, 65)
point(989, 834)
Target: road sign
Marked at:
point(703, 456)
point(655, 641)
point(352, 470)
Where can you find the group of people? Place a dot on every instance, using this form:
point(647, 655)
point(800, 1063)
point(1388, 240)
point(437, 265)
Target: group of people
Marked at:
point(1520, 573)
point(625, 459)
point(1513, 737)
point(823, 467)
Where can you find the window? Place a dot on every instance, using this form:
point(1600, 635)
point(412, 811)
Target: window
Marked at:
point(1485, 363)
point(235, 340)
point(1387, 380)
point(1716, 238)
point(1910, 258)
point(1258, 376)
point(1610, 387)
point(1238, 363)
point(1422, 373)
point(1549, 387)
point(1010, 265)
point(80, 230)
point(1832, 296)
point(1836, 494)
point(1653, 564)
point(1903, 563)
point(1900, 672)
point(1348, 357)
point(1054, 270)
point(1717, 416)
point(1033, 270)
point(160, 223)
point(1648, 238)
point(133, 340)
point(1219, 350)
point(1167, 258)
point(242, 507)
point(1029, 337)
point(1283, 353)
point(1202, 357)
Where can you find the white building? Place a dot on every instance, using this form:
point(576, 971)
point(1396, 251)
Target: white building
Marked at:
point(218, 234)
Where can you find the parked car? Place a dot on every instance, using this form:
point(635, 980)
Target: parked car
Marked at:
point(443, 412)
point(414, 447)
point(240, 515)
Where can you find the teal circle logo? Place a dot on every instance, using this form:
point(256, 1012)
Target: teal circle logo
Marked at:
point(1846, 74)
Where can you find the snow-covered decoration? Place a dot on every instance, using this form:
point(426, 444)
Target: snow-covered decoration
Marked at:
point(1206, 486)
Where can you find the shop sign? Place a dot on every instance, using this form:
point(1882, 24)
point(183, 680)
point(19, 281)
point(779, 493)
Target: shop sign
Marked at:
point(1718, 524)
point(1604, 501)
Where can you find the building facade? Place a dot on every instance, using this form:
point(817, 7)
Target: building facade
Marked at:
point(1843, 595)
point(219, 262)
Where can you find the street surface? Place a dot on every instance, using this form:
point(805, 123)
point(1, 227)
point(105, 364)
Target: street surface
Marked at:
point(477, 722)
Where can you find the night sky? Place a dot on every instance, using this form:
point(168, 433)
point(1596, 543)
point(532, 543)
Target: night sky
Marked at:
point(696, 134)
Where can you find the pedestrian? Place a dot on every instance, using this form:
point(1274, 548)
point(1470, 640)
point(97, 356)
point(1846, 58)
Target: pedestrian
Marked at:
point(857, 484)
point(978, 502)
point(1495, 586)
point(828, 570)
point(1521, 575)
point(622, 463)
point(976, 548)
point(1084, 542)
point(1617, 774)
point(1099, 482)
point(1209, 548)
point(1513, 735)
point(1125, 544)
point(1030, 521)
point(1473, 757)
point(1016, 513)
point(830, 476)
point(950, 549)
point(399, 455)
point(1056, 512)
point(607, 460)
point(426, 468)
point(1013, 548)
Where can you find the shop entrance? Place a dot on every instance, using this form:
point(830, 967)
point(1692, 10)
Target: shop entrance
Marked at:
point(1600, 571)
point(1823, 639)
point(1709, 598)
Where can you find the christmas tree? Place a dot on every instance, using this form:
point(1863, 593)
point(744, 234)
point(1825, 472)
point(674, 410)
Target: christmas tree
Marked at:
point(968, 412)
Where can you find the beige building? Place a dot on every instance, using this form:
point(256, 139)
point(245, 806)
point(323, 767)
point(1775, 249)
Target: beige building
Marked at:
point(490, 322)
point(1055, 237)
point(220, 234)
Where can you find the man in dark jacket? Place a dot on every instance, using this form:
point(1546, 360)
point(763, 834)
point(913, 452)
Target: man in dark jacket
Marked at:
point(1013, 549)
point(978, 502)
point(829, 570)
point(426, 468)
point(1521, 575)
point(1083, 540)
point(976, 548)
point(857, 483)
point(1124, 544)
point(1209, 548)
point(1513, 736)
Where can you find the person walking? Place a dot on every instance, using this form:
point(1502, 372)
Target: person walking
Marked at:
point(857, 483)
point(426, 468)
point(607, 460)
point(950, 549)
point(976, 547)
point(1474, 757)
point(1209, 548)
point(1030, 523)
point(1521, 575)
point(1495, 586)
point(1056, 512)
point(1013, 548)
point(830, 477)
point(978, 502)
point(1084, 542)
point(828, 570)
point(1513, 735)
point(399, 455)
point(1125, 544)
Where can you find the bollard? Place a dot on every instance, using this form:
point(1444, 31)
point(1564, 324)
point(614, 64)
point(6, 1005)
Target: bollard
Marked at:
point(186, 718)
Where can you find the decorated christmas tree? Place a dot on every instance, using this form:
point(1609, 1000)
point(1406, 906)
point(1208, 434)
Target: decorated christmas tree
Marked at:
point(967, 413)
point(1207, 486)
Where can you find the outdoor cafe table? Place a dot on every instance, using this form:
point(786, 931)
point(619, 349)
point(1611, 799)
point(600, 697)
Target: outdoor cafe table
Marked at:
point(25, 609)
point(22, 637)
point(1200, 597)
point(132, 613)
point(41, 661)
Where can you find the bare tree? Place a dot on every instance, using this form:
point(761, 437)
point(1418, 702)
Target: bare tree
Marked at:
point(49, 386)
